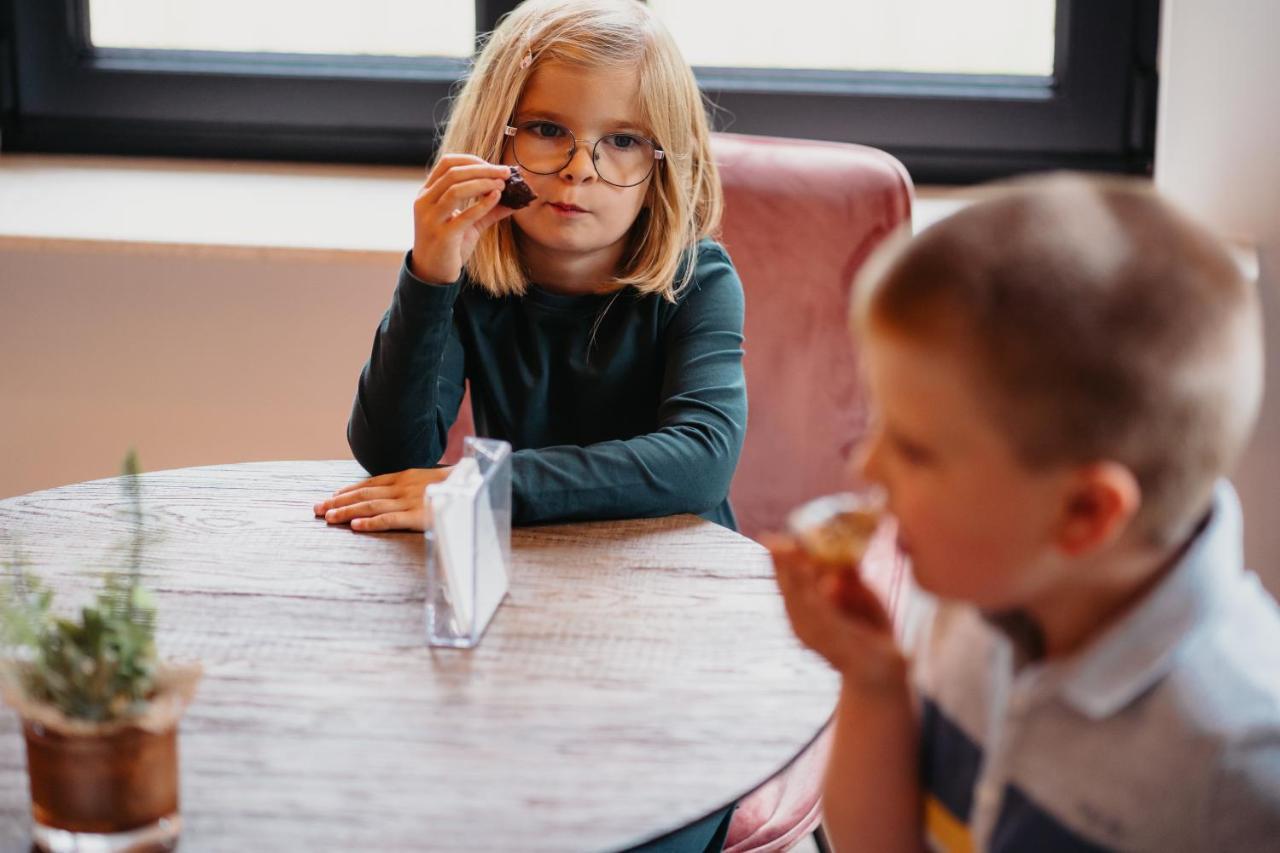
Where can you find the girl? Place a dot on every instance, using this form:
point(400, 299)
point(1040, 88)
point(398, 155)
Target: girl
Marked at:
point(600, 328)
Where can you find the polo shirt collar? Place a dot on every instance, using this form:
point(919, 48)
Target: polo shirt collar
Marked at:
point(1140, 649)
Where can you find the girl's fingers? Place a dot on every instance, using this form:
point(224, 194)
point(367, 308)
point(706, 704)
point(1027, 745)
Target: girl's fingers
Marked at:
point(449, 161)
point(411, 520)
point(452, 203)
point(495, 214)
point(341, 515)
point(355, 495)
point(478, 211)
point(320, 507)
point(380, 480)
point(460, 174)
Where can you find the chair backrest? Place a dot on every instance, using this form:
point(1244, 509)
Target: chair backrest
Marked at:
point(800, 218)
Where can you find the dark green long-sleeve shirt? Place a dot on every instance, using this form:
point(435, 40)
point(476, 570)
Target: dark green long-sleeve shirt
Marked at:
point(616, 405)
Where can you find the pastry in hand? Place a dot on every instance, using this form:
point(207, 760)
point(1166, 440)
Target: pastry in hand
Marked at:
point(836, 528)
point(516, 193)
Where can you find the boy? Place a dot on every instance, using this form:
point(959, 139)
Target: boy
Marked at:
point(1063, 376)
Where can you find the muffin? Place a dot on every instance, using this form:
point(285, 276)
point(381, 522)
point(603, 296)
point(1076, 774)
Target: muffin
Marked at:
point(836, 528)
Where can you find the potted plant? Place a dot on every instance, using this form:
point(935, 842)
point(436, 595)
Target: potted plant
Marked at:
point(99, 711)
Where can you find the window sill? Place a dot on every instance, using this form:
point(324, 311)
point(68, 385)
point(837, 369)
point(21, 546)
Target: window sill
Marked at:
point(203, 207)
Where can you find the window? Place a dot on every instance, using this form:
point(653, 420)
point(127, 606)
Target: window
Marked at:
point(337, 27)
point(958, 89)
point(1012, 37)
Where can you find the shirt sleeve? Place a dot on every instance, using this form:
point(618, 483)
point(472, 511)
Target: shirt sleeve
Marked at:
point(687, 463)
point(412, 385)
point(1245, 802)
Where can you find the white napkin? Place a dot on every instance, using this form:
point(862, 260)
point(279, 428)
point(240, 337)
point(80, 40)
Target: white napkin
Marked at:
point(467, 546)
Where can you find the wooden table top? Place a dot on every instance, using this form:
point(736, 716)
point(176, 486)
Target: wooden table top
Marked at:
point(640, 675)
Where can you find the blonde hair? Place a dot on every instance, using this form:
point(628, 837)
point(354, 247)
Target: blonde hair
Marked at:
point(683, 200)
point(1106, 326)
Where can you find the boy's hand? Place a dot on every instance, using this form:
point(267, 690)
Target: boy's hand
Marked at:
point(445, 229)
point(836, 615)
point(388, 502)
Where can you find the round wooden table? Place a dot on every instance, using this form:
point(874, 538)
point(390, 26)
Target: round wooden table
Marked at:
point(640, 675)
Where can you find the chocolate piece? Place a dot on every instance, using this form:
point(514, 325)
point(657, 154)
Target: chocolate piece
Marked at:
point(516, 193)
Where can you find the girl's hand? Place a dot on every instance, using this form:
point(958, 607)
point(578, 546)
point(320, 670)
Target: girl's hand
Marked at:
point(445, 228)
point(834, 613)
point(389, 502)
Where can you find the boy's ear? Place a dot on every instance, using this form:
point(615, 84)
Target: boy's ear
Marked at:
point(1102, 499)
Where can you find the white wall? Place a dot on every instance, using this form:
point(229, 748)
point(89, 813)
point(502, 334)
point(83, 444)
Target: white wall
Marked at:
point(1218, 153)
point(194, 357)
point(1218, 135)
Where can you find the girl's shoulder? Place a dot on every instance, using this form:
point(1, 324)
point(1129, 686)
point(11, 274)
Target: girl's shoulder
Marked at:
point(712, 297)
point(709, 252)
point(713, 270)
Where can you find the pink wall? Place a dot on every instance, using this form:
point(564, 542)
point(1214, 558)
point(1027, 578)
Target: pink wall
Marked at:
point(194, 357)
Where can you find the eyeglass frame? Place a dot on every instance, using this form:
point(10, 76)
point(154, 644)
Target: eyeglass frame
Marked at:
point(512, 130)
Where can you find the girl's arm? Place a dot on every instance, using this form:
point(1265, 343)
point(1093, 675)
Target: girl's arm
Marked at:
point(412, 385)
point(686, 464)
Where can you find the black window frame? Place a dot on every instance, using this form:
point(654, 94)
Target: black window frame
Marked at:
point(58, 94)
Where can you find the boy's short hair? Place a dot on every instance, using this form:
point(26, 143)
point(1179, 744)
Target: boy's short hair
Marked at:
point(1106, 326)
point(684, 198)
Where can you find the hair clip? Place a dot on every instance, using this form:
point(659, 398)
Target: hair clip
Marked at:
point(527, 61)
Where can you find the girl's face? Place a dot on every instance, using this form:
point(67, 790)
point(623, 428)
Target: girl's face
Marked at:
point(576, 230)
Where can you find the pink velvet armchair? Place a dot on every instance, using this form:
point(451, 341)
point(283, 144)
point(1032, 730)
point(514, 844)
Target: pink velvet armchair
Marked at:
point(800, 219)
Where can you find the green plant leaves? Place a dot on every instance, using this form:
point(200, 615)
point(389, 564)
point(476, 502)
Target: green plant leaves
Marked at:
point(99, 668)
point(102, 666)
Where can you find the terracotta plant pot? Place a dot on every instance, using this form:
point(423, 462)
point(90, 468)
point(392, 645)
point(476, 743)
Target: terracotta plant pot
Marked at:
point(121, 787)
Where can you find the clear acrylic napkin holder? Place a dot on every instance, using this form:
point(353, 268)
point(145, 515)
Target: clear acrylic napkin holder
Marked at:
point(469, 544)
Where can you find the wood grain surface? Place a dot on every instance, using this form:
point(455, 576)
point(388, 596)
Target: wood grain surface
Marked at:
point(640, 675)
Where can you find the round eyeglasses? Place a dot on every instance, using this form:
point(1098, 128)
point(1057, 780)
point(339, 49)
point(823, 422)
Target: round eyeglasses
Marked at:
point(622, 159)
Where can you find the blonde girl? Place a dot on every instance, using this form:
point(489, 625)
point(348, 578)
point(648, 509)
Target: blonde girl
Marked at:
point(599, 328)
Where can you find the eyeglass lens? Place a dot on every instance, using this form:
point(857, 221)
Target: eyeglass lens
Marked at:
point(622, 159)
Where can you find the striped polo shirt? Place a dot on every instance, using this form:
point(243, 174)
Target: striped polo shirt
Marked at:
point(1162, 734)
